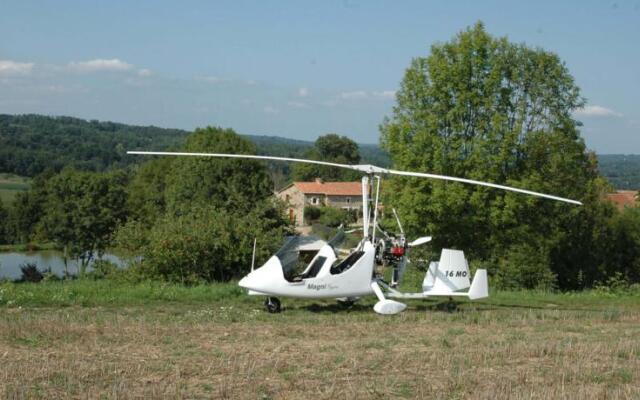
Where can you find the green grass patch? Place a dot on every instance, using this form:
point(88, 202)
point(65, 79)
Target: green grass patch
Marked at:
point(106, 292)
point(11, 185)
point(91, 293)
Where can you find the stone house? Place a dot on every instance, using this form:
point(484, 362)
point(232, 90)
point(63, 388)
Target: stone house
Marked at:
point(298, 195)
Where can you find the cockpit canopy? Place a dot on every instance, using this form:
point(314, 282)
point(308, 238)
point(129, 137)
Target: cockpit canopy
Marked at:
point(299, 251)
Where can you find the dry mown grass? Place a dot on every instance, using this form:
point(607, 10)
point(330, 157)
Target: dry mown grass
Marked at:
point(237, 351)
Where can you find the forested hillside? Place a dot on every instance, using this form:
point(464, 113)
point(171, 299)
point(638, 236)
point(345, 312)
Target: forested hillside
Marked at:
point(622, 170)
point(31, 144)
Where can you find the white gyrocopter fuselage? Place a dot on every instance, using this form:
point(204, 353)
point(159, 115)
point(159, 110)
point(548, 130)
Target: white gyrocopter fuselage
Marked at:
point(334, 274)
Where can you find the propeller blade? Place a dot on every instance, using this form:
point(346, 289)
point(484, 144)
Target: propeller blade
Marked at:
point(419, 241)
point(366, 168)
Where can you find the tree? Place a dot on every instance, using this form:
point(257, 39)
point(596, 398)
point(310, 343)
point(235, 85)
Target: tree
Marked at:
point(146, 192)
point(82, 211)
point(484, 108)
point(194, 219)
point(231, 184)
point(28, 209)
point(4, 224)
point(331, 148)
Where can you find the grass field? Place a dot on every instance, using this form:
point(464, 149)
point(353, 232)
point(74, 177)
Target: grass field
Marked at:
point(10, 185)
point(117, 340)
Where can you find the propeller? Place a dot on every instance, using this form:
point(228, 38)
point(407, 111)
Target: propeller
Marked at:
point(366, 168)
point(420, 240)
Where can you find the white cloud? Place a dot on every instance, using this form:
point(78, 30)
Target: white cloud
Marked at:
point(297, 104)
point(385, 94)
point(304, 92)
point(355, 95)
point(144, 72)
point(100, 64)
point(597, 111)
point(364, 95)
point(12, 68)
point(270, 110)
point(211, 79)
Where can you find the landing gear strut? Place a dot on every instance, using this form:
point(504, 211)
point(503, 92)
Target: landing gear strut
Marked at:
point(272, 304)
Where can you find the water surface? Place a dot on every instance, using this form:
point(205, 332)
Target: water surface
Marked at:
point(10, 262)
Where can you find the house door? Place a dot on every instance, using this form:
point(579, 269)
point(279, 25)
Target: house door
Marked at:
point(291, 214)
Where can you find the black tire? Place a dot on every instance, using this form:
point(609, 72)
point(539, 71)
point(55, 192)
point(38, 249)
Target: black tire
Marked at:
point(346, 303)
point(272, 304)
point(452, 305)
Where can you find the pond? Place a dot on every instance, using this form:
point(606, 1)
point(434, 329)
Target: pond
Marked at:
point(10, 263)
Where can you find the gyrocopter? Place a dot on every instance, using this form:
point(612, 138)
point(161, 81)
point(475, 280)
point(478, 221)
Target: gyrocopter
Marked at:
point(347, 276)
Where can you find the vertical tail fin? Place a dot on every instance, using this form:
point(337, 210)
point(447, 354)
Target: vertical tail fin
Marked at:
point(479, 287)
point(450, 274)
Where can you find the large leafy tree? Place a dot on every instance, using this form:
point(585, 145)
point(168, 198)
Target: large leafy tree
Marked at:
point(195, 219)
point(485, 108)
point(331, 148)
point(82, 210)
point(233, 184)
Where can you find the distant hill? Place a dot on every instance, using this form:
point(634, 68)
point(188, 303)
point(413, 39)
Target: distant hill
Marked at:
point(30, 144)
point(622, 170)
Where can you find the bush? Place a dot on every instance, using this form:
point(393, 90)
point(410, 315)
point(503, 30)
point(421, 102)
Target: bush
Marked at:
point(525, 267)
point(335, 216)
point(209, 244)
point(30, 273)
point(102, 269)
point(311, 214)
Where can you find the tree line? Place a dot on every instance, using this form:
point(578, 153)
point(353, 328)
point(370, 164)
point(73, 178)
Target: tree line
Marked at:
point(185, 219)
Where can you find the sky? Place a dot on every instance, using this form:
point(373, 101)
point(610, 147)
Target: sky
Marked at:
point(296, 69)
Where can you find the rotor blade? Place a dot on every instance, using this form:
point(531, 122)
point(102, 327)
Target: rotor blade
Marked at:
point(488, 184)
point(419, 241)
point(368, 169)
point(250, 156)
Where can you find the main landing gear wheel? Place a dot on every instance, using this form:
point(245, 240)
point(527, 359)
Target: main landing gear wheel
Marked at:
point(451, 305)
point(346, 303)
point(272, 304)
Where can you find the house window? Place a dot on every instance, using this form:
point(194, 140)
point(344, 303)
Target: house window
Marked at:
point(314, 201)
point(348, 200)
point(286, 198)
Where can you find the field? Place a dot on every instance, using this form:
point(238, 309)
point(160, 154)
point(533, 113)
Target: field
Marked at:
point(119, 340)
point(10, 185)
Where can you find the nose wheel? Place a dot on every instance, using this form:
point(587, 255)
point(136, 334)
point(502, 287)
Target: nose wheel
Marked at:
point(272, 305)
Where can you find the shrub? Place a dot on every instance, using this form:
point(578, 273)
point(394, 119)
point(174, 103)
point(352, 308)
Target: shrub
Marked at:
point(311, 214)
point(30, 273)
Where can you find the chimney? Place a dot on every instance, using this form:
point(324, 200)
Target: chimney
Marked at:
point(318, 180)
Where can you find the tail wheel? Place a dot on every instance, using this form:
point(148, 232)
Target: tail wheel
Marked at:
point(272, 304)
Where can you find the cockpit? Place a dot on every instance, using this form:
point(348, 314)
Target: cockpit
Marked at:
point(301, 257)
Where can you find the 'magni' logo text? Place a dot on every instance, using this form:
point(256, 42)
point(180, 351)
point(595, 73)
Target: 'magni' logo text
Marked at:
point(314, 286)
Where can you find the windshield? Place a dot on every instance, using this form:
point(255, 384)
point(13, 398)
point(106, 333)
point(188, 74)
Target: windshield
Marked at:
point(296, 254)
point(298, 251)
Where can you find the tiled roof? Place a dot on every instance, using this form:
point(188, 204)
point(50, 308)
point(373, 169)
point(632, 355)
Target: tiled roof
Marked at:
point(623, 198)
point(330, 188)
